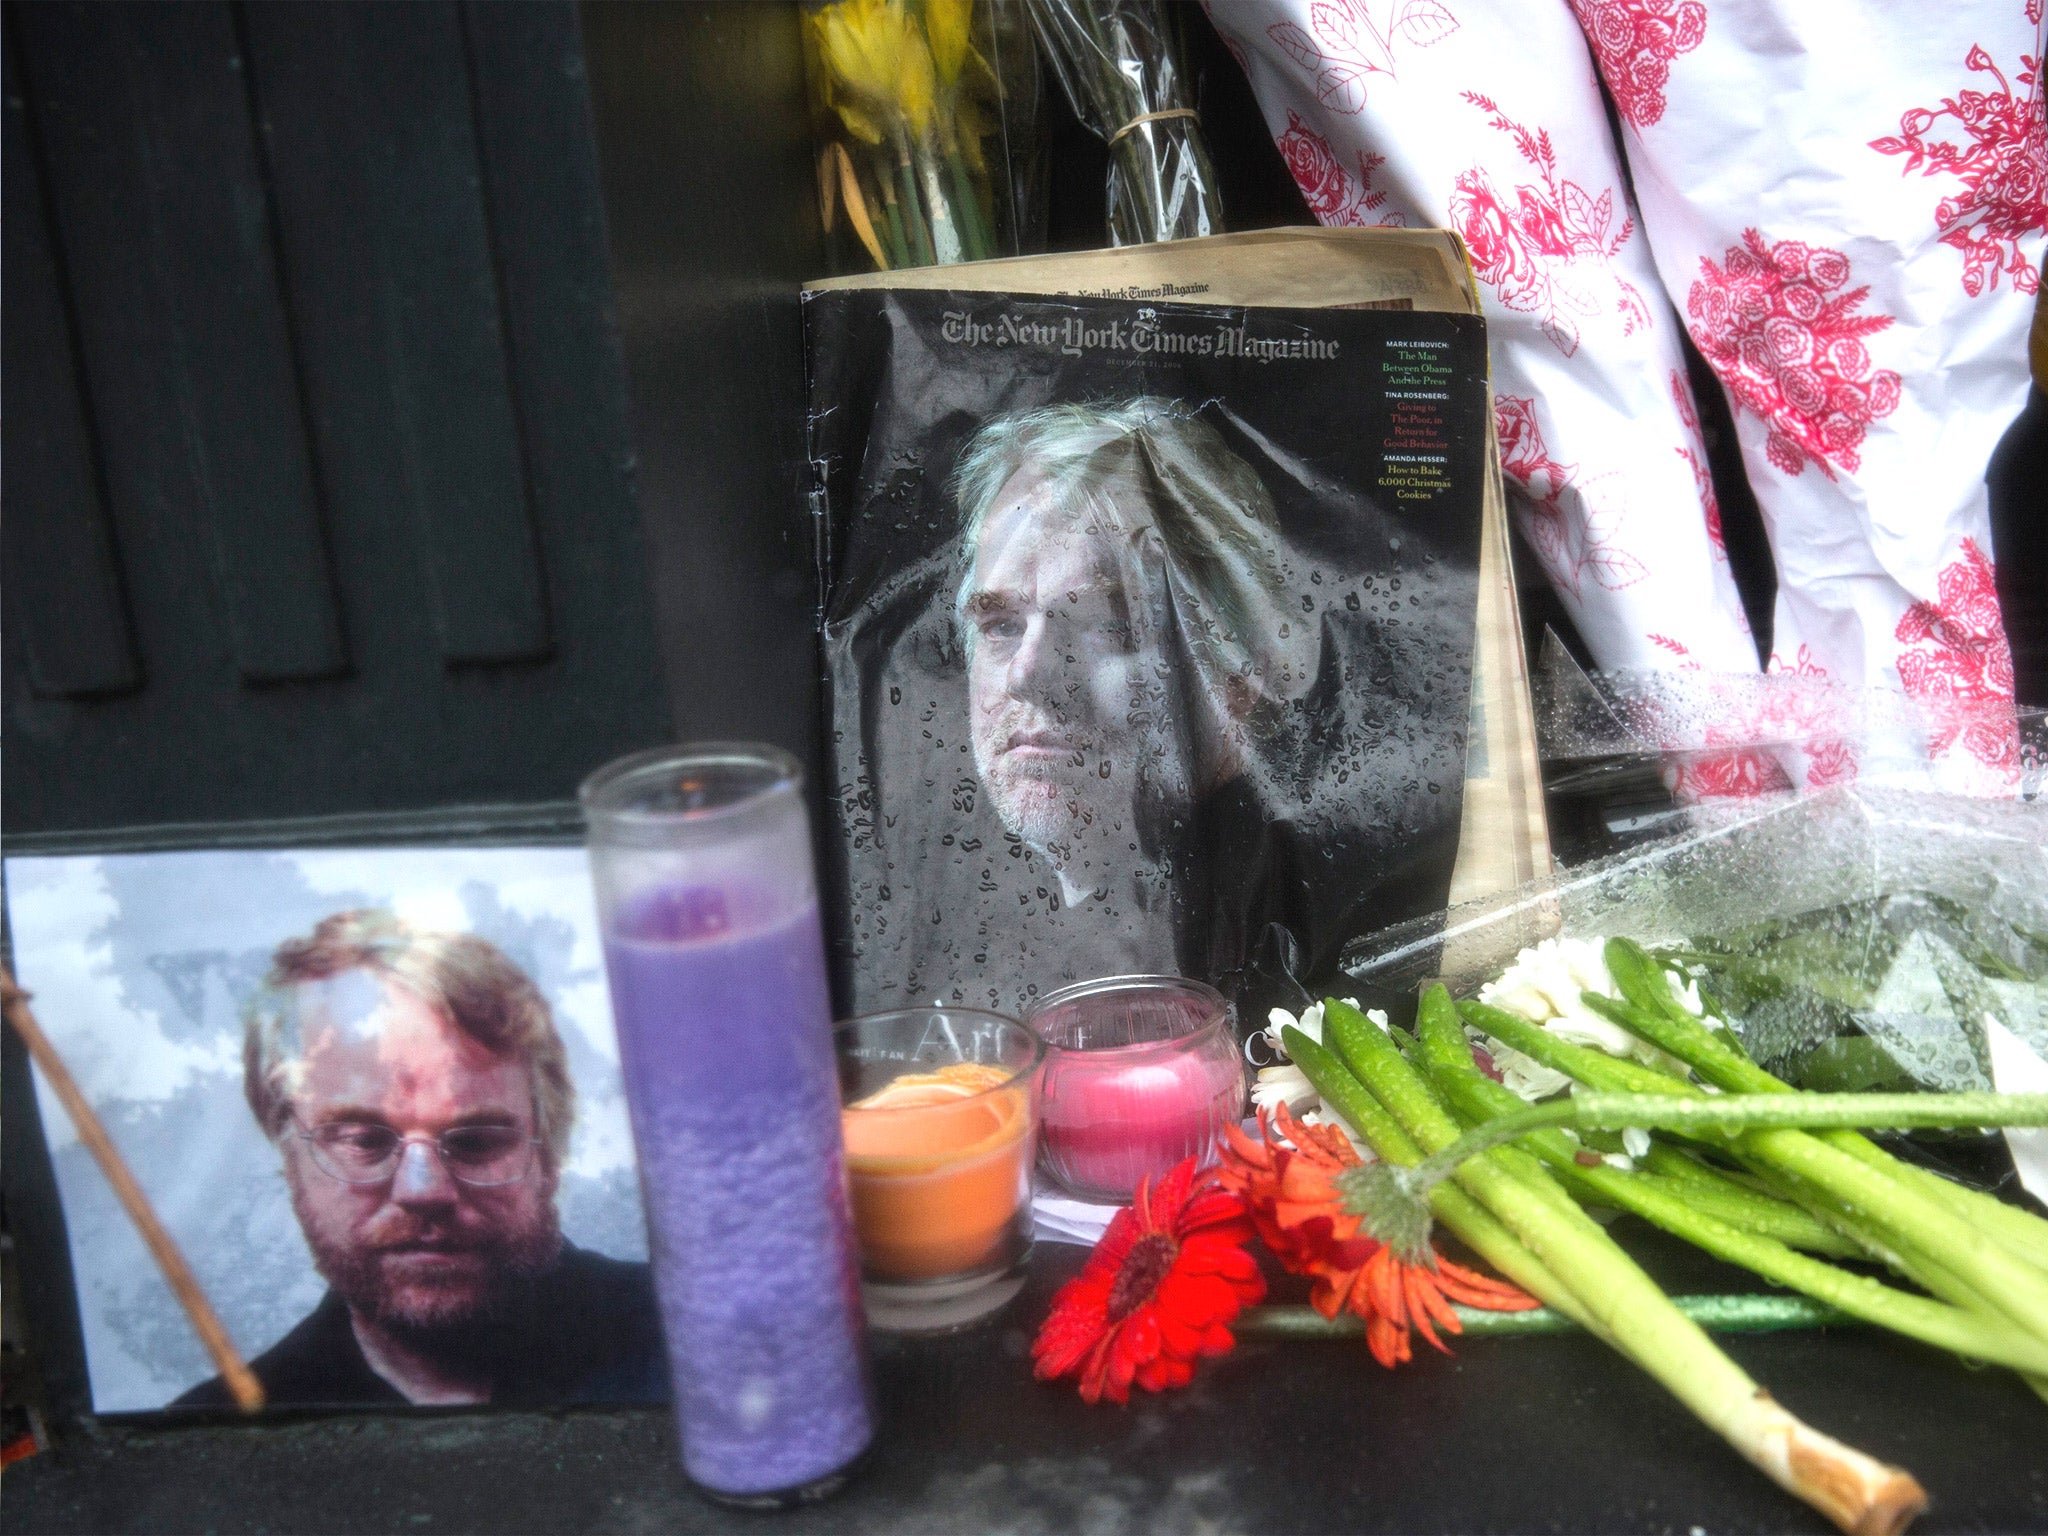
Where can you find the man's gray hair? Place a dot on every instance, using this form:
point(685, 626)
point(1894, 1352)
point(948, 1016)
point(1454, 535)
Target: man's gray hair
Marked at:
point(1206, 510)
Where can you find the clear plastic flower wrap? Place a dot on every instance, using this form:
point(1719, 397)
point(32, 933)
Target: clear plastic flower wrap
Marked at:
point(1856, 939)
point(925, 113)
point(1123, 67)
point(1734, 736)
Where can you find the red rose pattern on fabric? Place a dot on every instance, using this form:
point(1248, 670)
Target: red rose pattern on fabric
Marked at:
point(1734, 773)
point(1325, 185)
point(2003, 166)
point(1570, 548)
point(1695, 454)
point(1739, 773)
point(1727, 769)
point(1829, 760)
point(1549, 253)
point(1789, 347)
point(1347, 41)
point(1955, 655)
point(1635, 42)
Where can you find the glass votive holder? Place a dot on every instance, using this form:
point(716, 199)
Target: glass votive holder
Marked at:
point(939, 1124)
point(1140, 1072)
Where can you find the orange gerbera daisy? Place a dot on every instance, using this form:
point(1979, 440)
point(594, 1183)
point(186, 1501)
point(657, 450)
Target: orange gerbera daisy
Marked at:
point(1159, 1291)
point(1298, 1208)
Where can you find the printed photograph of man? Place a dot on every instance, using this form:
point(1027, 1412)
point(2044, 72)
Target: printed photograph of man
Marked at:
point(417, 1093)
point(1134, 661)
point(1129, 649)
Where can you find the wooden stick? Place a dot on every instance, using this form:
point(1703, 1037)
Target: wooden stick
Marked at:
point(248, 1392)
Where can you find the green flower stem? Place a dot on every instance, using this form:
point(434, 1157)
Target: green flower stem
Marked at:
point(1964, 1332)
point(1667, 1161)
point(973, 237)
point(1738, 1313)
point(974, 229)
point(1859, 1494)
point(1597, 1069)
point(1456, 1209)
point(1716, 1192)
point(947, 241)
point(893, 234)
point(899, 250)
point(1644, 988)
point(1962, 1262)
point(1654, 1013)
point(1666, 1170)
point(920, 238)
point(2022, 1231)
point(1371, 1053)
point(1922, 1236)
point(1733, 1112)
point(1335, 1083)
point(1750, 1210)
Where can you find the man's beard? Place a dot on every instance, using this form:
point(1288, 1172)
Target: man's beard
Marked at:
point(1070, 813)
point(1041, 808)
point(448, 1318)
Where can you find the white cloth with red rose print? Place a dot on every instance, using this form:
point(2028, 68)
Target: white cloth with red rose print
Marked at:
point(1845, 200)
point(1848, 201)
point(1485, 116)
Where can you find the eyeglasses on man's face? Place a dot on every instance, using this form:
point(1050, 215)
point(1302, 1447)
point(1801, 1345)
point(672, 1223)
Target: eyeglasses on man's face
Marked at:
point(364, 1152)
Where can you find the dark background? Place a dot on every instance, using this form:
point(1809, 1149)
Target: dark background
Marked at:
point(402, 411)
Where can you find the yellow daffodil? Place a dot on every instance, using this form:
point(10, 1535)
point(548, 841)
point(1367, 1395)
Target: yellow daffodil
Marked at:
point(878, 66)
point(949, 24)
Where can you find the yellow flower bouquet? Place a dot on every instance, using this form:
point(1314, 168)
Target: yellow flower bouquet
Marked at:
point(923, 110)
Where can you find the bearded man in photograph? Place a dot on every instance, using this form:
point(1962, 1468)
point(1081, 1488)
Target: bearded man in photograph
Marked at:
point(1130, 657)
point(419, 1097)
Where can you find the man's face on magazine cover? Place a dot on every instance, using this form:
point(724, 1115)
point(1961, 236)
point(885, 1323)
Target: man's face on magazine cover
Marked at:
point(1061, 669)
point(419, 1249)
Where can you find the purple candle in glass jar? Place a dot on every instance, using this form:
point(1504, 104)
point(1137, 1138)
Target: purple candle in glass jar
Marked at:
point(1140, 1072)
point(702, 860)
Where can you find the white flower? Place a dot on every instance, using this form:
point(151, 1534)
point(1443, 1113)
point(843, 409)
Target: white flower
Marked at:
point(1524, 1075)
point(1546, 984)
point(1285, 1083)
point(1309, 1021)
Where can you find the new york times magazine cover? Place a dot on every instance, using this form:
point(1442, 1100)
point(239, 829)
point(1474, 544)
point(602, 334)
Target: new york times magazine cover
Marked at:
point(1148, 634)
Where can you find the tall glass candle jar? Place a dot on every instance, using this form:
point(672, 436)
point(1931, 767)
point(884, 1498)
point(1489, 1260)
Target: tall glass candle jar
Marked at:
point(1140, 1072)
point(702, 861)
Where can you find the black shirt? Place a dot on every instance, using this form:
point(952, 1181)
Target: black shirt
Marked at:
point(586, 1332)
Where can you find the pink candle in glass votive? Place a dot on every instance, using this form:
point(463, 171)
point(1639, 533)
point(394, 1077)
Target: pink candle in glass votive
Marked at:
point(1140, 1072)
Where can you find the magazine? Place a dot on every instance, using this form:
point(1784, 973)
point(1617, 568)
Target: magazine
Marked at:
point(1149, 630)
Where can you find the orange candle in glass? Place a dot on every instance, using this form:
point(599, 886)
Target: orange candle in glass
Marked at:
point(938, 1122)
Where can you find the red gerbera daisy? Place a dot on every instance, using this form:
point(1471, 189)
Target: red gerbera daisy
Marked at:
point(1299, 1211)
point(1159, 1291)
